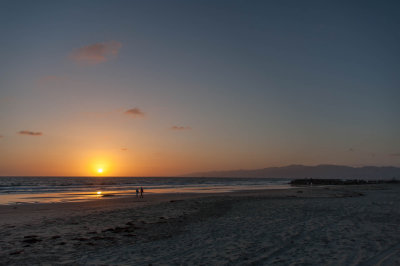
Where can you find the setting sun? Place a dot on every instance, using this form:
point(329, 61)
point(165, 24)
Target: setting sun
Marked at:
point(99, 164)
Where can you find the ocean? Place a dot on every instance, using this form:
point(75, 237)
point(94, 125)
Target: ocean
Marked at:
point(17, 190)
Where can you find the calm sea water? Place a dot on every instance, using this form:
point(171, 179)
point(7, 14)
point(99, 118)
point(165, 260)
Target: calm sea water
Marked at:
point(14, 190)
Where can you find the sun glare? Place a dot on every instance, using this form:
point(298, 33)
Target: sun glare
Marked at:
point(99, 165)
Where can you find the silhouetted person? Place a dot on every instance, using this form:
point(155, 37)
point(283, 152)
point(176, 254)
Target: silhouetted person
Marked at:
point(141, 192)
point(137, 193)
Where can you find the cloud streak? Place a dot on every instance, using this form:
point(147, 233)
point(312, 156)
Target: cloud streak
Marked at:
point(180, 128)
point(30, 133)
point(395, 154)
point(135, 112)
point(96, 53)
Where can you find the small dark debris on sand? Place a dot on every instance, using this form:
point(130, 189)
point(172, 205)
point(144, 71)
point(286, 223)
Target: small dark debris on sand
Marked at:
point(16, 252)
point(80, 239)
point(32, 239)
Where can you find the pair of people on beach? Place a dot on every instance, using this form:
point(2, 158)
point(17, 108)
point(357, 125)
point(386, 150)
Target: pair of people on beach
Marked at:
point(141, 192)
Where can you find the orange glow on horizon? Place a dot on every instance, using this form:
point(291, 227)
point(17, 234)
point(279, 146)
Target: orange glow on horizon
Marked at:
point(100, 165)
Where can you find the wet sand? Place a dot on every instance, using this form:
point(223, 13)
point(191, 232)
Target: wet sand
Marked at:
point(335, 225)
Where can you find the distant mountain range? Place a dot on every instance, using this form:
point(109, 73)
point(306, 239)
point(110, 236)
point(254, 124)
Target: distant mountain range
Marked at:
point(302, 171)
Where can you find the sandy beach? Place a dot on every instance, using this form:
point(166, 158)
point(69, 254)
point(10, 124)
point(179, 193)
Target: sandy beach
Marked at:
point(335, 225)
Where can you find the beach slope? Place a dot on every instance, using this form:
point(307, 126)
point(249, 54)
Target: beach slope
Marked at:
point(336, 225)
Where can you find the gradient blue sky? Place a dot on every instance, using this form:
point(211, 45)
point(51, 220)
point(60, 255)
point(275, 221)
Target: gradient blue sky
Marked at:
point(221, 84)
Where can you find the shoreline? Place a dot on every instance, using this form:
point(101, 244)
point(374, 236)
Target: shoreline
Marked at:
point(22, 212)
point(53, 190)
point(130, 201)
point(31, 210)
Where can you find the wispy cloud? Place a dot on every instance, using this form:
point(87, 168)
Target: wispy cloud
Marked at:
point(1, 136)
point(180, 128)
point(135, 112)
point(395, 154)
point(124, 149)
point(96, 53)
point(30, 133)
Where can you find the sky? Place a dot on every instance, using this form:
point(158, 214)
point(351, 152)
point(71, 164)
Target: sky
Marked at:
point(164, 88)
